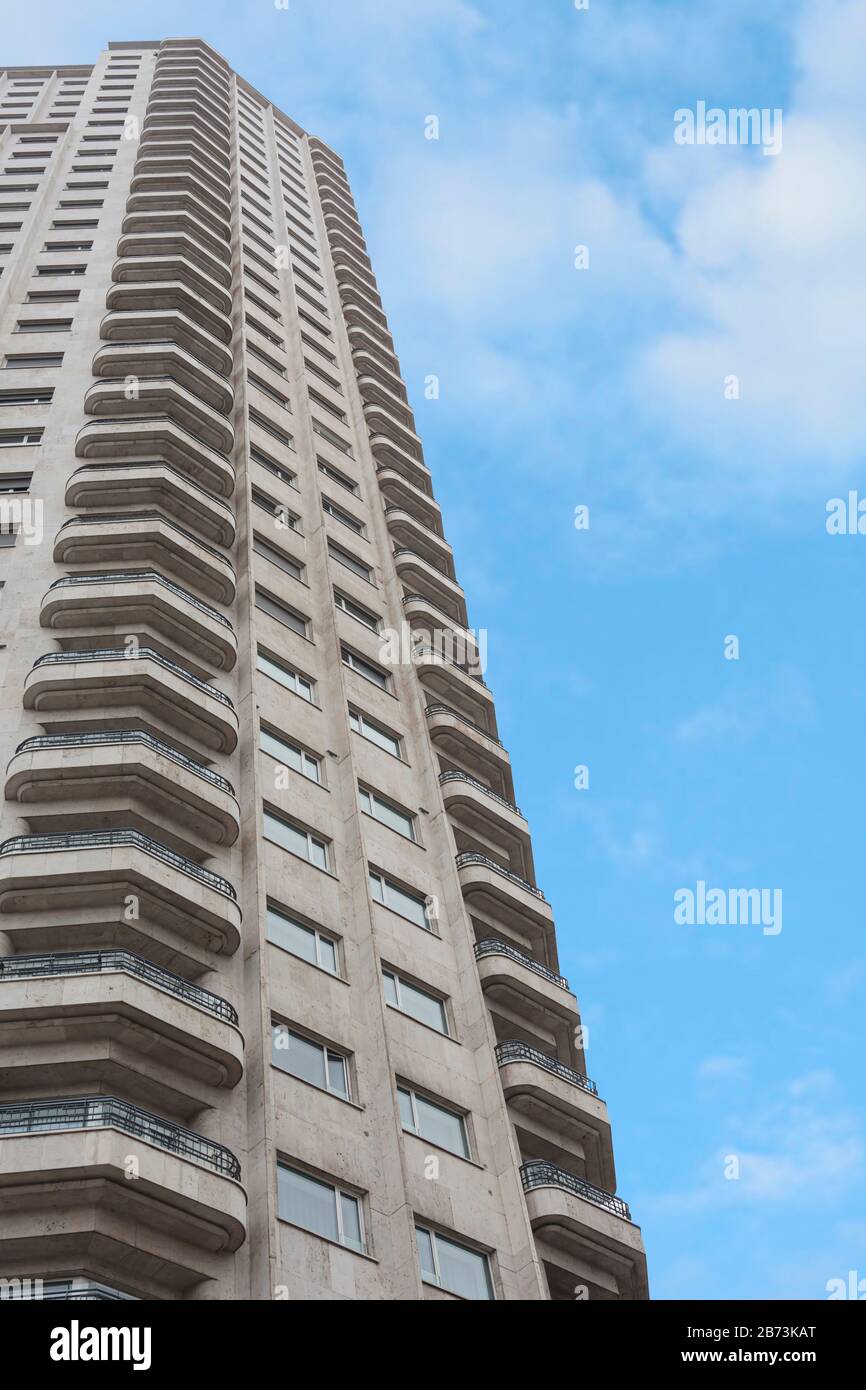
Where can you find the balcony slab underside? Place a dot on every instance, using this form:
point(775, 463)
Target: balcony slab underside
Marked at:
point(588, 1245)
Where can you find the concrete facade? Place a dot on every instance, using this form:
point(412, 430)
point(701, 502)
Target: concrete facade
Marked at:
point(280, 1011)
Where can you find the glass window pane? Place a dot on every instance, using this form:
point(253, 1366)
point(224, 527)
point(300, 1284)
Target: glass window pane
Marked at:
point(424, 1007)
point(292, 936)
point(425, 1254)
point(390, 987)
point(307, 1202)
point(286, 835)
point(298, 1056)
point(327, 955)
point(441, 1126)
point(463, 1271)
point(351, 1212)
point(317, 853)
point(407, 1119)
point(338, 1079)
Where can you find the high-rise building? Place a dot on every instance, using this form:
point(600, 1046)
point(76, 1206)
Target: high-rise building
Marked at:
point(280, 1008)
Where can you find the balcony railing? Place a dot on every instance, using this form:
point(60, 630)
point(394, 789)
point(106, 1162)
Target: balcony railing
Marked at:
point(516, 1051)
point(464, 719)
point(107, 1112)
point(114, 839)
point(495, 946)
point(125, 654)
point(99, 738)
point(537, 1173)
point(442, 660)
point(469, 857)
point(65, 963)
point(141, 577)
point(28, 1287)
point(480, 786)
point(121, 518)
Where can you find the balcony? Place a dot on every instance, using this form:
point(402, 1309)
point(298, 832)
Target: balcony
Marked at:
point(357, 313)
point(167, 398)
point(150, 223)
point(138, 245)
point(164, 210)
point(336, 226)
point(450, 685)
point(556, 1110)
point(481, 817)
point(122, 688)
point(85, 870)
point(142, 538)
point(388, 454)
point(143, 436)
point(142, 778)
point(430, 625)
point(362, 294)
point(375, 392)
point(166, 89)
point(183, 177)
point(369, 343)
point(162, 358)
point(584, 1236)
point(152, 484)
point(171, 295)
point(143, 601)
point(346, 260)
point(465, 746)
point(416, 537)
point(403, 495)
point(175, 268)
point(498, 899)
point(368, 368)
point(66, 1201)
point(171, 142)
point(348, 246)
point(188, 111)
point(113, 1021)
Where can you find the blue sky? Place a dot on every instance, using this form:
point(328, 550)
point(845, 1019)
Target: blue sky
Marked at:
point(604, 387)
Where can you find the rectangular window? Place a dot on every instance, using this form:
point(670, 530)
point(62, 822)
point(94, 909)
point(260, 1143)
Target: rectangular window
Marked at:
point(52, 297)
point(310, 1061)
point(365, 668)
point(61, 269)
point(331, 438)
point(320, 1207)
point(387, 813)
point(9, 439)
point(400, 900)
point(337, 477)
point(284, 676)
point(354, 610)
point(344, 518)
point(259, 456)
point(326, 405)
point(290, 755)
point(375, 733)
point(453, 1267)
point(43, 325)
point(266, 603)
point(33, 359)
point(265, 424)
point(33, 396)
point(277, 557)
point(268, 391)
point(416, 1002)
point(281, 514)
point(350, 562)
point(15, 482)
point(440, 1126)
point(299, 940)
point(296, 840)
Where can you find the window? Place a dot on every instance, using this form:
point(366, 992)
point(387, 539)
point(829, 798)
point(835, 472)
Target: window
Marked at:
point(61, 269)
point(284, 675)
point(15, 482)
point(310, 1061)
point(337, 477)
point(10, 438)
point(331, 437)
point(416, 1002)
point(68, 246)
point(33, 396)
point(365, 668)
point(354, 610)
point(387, 813)
point(267, 390)
point(320, 1207)
point(350, 562)
point(266, 603)
point(326, 405)
point(277, 557)
point(265, 424)
point(443, 1127)
point(400, 900)
point(258, 456)
point(43, 325)
point(375, 733)
point(33, 359)
point(53, 297)
point(274, 509)
point(295, 839)
point(290, 755)
point(344, 518)
point(453, 1267)
point(299, 940)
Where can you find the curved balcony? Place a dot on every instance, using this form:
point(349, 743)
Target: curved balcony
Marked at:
point(398, 492)
point(430, 625)
point(335, 225)
point(381, 422)
point(369, 299)
point(167, 398)
point(358, 315)
point(375, 392)
point(150, 223)
point(126, 768)
point(112, 1020)
point(44, 871)
point(142, 538)
point(480, 816)
point(584, 1235)
point(451, 685)
point(173, 268)
point(556, 1109)
point(444, 593)
point(389, 455)
point(163, 210)
point(143, 599)
point(504, 955)
point(346, 263)
point(168, 142)
point(368, 368)
point(339, 191)
point(138, 245)
point(460, 743)
point(154, 168)
point(143, 687)
point(66, 1201)
point(194, 86)
point(348, 246)
point(413, 535)
point(166, 186)
point(162, 358)
point(369, 343)
point(152, 484)
point(143, 436)
point(496, 898)
point(171, 110)
point(171, 295)
point(344, 219)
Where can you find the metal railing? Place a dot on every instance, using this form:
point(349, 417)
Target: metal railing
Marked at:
point(114, 518)
point(114, 839)
point(464, 719)
point(473, 857)
point(442, 660)
point(495, 946)
point(65, 963)
point(517, 1051)
point(537, 1173)
point(142, 577)
point(123, 654)
point(100, 738)
point(453, 622)
point(107, 1112)
point(482, 787)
